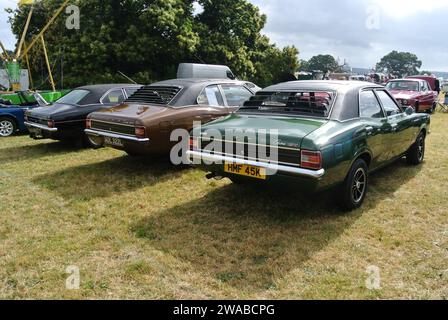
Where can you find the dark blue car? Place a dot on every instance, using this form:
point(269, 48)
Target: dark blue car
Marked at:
point(12, 116)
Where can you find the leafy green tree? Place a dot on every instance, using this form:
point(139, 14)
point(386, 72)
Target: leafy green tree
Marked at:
point(304, 66)
point(276, 66)
point(229, 33)
point(399, 64)
point(323, 62)
point(144, 39)
point(147, 39)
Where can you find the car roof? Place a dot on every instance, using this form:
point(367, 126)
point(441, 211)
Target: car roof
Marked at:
point(98, 90)
point(191, 88)
point(408, 80)
point(188, 82)
point(345, 105)
point(322, 85)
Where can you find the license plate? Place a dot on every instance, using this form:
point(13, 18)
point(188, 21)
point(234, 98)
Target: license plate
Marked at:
point(36, 132)
point(113, 142)
point(245, 170)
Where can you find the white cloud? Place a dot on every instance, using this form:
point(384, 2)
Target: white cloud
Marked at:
point(6, 35)
point(410, 8)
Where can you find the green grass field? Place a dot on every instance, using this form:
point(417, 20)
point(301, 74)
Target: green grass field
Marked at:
point(142, 229)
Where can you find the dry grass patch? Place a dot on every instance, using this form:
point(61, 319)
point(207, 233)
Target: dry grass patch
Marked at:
point(144, 229)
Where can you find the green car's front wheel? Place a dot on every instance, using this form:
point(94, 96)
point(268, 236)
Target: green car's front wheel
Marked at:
point(354, 189)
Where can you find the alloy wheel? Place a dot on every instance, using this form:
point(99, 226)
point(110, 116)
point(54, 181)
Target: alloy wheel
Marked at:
point(421, 148)
point(359, 185)
point(6, 128)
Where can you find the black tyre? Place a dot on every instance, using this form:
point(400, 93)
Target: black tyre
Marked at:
point(354, 189)
point(7, 127)
point(416, 154)
point(93, 142)
point(133, 154)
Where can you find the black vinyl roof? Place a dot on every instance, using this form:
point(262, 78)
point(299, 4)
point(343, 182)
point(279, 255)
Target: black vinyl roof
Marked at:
point(98, 90)
point(187, 89)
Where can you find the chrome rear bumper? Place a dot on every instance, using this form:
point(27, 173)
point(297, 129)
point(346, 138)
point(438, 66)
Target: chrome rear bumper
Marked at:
point(270, 167)
point(98, 133)
point(40, 126)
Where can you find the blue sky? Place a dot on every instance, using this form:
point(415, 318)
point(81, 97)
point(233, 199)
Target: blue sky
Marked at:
point(360, 32)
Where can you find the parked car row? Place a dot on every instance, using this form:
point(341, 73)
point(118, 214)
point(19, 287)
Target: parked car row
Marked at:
point(330, 134)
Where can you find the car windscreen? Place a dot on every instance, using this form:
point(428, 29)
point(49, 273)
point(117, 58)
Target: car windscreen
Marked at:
point(73, 97)
point(402, 85)
point(306, 103)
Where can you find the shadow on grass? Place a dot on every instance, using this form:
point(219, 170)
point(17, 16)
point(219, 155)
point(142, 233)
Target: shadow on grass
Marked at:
point(250, 237)
point(108, 177)
point(35, 151)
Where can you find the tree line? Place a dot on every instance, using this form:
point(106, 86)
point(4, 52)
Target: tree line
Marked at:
point(398, 64)
point(147, 39)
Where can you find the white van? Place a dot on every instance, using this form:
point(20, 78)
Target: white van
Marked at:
point(204, 71)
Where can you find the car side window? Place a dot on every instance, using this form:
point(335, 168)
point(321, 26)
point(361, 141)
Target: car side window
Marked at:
point(423, 86)
point(369, 107)
point(236, 95)
point(388, 103)
point(114, 96)
point(211, 96)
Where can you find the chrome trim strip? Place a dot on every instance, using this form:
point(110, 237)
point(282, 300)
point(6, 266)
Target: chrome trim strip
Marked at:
point(114, 123)
point(115, 135)
point(207, 139)
point(275, 167)
point(40, 126)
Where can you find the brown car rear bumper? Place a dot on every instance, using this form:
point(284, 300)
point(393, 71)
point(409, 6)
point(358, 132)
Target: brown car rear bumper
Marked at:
point(98, 133)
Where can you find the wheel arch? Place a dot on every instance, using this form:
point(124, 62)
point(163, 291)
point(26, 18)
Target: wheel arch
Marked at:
point(366, 156)
point(11, 117)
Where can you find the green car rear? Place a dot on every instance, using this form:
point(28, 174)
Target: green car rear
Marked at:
point(320, 135)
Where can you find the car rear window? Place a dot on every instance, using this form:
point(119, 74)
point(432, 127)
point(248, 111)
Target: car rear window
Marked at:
point(74, 97)
point(308, 103)
point(160, 95)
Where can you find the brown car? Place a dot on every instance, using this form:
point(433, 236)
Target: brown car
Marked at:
point(144, 122)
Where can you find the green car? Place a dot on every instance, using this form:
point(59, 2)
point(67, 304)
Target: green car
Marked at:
point(312, 135)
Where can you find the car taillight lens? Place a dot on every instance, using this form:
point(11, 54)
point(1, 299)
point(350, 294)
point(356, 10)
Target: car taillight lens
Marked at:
point(193, 144)
point(50, 123)
point(140, 132)
point(88, 123)
point(311, 160)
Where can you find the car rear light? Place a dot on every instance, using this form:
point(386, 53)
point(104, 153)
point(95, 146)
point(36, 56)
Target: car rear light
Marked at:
point(140, 132)
point(193, 144)
point(311, 160)
point(88, 124)
point(50, 123)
